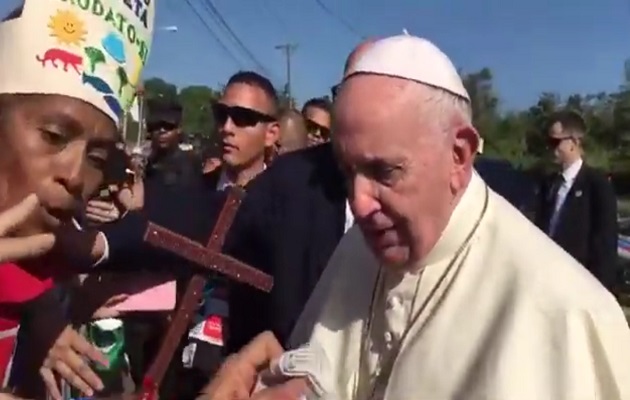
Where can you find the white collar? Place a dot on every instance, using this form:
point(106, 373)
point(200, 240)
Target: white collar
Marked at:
point(225, 182)
point(462, 221)
point(572, 170)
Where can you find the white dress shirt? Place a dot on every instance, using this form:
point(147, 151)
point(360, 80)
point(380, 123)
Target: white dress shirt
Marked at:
point(105, 255)
point(568, 176)
point(349, 218)
point(224, 181)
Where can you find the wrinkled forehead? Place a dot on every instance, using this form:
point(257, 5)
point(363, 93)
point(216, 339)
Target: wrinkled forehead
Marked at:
point(73, 116)
point(377, 115)
point(366, 100)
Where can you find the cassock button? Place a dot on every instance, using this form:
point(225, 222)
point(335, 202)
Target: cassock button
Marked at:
point(394, 302)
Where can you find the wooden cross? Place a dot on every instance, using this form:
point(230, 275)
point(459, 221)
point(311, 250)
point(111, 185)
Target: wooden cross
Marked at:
point(208, 257)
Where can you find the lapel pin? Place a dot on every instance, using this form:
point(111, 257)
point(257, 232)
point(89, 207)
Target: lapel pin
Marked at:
point(578, 193)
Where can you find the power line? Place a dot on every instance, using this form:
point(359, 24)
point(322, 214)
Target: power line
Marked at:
point(217, 14)
point(339, 19)
point(275, 15)
point(213, 34)
point(288, 49)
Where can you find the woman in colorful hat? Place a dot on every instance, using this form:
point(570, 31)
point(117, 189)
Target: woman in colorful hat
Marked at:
point(72, 71)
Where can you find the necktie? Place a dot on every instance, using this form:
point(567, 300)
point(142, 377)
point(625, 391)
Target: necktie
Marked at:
point(556, 184)
point(557, 202)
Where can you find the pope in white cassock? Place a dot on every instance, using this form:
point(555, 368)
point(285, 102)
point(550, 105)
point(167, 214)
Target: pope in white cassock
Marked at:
point(444, 290)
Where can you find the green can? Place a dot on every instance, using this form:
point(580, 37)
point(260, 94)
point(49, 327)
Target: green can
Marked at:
point(109, 337)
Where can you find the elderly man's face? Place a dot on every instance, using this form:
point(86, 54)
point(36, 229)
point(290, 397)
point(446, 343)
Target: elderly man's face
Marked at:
point(398, 163)
point(54, 146)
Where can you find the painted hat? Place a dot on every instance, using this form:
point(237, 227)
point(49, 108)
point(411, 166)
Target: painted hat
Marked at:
point(412, 58)
point(92, 50)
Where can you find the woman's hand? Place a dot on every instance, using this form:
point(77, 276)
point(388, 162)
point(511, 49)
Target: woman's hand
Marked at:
point(132, 198)
point(69, 357)
point(101, 212)
point(14, 249)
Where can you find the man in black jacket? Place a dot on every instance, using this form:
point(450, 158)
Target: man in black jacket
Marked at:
point(167, 163)
point(246, 120)
point(246, 117)
point(577, 207)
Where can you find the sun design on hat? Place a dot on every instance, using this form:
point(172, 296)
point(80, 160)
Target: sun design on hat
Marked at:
point(67, 28)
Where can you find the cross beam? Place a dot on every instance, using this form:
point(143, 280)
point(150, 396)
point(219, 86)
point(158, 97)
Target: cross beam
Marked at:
point(209, 259)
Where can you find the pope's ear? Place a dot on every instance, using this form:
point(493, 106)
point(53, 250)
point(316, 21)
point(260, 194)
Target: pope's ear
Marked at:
point(466, 145)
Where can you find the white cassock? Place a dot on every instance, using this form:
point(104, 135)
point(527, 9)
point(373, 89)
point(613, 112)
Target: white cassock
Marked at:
point(498, 313)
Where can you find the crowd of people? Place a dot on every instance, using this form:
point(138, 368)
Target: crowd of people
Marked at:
point(403, 267)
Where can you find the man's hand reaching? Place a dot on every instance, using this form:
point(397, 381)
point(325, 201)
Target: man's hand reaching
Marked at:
point(238, 375)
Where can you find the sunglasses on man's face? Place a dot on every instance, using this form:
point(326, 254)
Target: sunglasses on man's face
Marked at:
point(161, 127)
point(241, 117)
point(315, 129)
point(554, 142)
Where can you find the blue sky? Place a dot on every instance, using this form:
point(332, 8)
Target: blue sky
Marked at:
point(530, 45)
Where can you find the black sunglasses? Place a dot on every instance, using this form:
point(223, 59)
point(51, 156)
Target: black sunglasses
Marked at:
point(241, 117)
point(160, 127)
point(554, 142)
point(315, 129)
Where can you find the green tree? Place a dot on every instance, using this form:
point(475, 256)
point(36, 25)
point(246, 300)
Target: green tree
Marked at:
point(196, 102)
point(159, 88)
point(518, 136)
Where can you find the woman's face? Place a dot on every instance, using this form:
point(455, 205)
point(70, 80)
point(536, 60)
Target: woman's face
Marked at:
point(54, 146)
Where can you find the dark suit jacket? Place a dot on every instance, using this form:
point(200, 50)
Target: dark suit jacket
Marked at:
point(587, 225)
point(291, 221)
point(174, 167)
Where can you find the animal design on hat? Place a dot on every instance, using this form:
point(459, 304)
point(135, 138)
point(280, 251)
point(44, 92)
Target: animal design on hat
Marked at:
point(93, 50)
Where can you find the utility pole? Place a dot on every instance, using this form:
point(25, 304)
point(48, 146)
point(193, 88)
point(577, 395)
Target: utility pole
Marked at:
point(141, 124)
point(288, 50)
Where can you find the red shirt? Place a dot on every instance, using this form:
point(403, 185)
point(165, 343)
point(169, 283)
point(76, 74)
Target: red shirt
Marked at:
point(17, 286)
